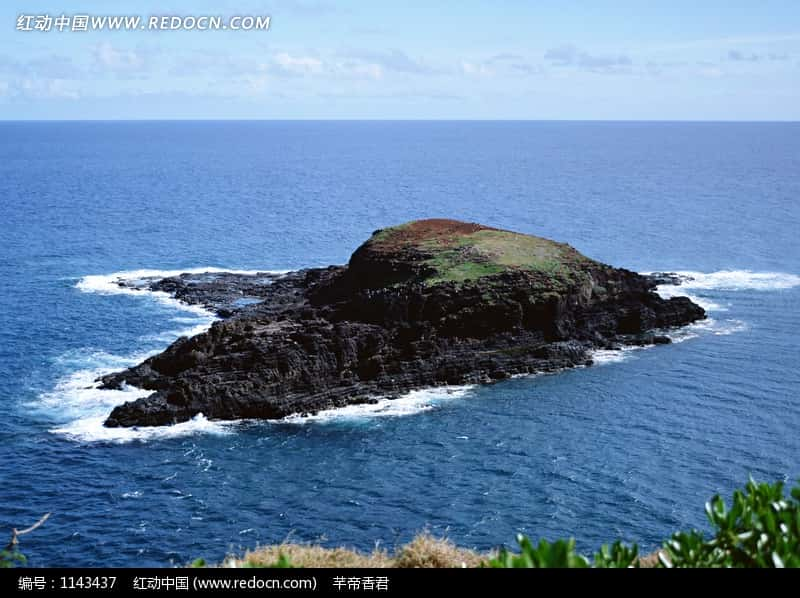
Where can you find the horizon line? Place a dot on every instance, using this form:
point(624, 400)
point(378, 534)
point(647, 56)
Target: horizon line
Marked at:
point(511, 120)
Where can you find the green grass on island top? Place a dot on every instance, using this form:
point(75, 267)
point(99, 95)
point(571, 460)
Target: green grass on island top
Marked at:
point(459, 252)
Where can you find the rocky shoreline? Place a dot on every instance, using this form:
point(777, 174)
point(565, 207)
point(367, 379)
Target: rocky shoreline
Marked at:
point(428, 303)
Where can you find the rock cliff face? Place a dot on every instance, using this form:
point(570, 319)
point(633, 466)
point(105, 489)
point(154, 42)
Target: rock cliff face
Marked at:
point(427, 303)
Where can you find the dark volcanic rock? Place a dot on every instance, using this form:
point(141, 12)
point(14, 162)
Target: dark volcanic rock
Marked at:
point(671, 278)
point(428, 303)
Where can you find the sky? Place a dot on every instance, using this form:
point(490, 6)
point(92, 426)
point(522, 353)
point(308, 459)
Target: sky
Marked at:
point(442, 59)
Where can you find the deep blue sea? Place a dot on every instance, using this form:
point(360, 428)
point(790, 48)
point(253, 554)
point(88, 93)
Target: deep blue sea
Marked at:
point(630, 448)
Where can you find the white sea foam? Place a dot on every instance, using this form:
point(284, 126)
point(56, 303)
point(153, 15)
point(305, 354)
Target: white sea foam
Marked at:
point(78, 395)
point(91, 429)
point(711, 326)
point(669, 291)
point(738, 280)
point(79, 403)
point(109, 284)
point(169, 336)
point(697, 285)
point(82, 406)
point(410, 403)
point(608, 356)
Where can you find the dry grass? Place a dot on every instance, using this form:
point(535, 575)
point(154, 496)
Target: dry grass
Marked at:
point(424, 551)
point(312, 555)
point(427, 552)
point(649, 561)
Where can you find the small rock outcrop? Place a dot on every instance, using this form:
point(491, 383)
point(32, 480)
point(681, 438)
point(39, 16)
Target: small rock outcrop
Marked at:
point(428, 303)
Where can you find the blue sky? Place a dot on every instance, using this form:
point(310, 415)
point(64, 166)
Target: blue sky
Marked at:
point(320, 59)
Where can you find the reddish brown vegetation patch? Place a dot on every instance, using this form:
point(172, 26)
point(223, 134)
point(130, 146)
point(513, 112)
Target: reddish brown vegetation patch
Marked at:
point(441, 230)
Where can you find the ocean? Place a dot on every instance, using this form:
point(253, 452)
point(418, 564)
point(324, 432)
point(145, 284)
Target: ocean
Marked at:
point(628, 449)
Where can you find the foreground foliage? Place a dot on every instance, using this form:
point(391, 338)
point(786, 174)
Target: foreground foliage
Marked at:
point(561, 554)
point(760, 529)
point(11, 558)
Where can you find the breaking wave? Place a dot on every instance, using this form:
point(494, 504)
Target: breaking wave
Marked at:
point(78, 404)
point(82, 406)
point(700, 286)
point(415, 401)
point(738, 280)
point(607, 356)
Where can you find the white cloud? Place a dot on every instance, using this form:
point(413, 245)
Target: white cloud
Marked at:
point(710, 72)
point(476, 69)
point(119, 60)
point(202, 62)
point(255, 84)
point(47, 89)
point(503, 64)
point(569, 55)
point(511, 64)
point(392, 60)
point(285, 64)
point(358, 70)
point(738, 56)
point(298, 65)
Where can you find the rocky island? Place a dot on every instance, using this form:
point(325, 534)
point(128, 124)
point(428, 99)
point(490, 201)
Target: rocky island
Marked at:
point(427, 303)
